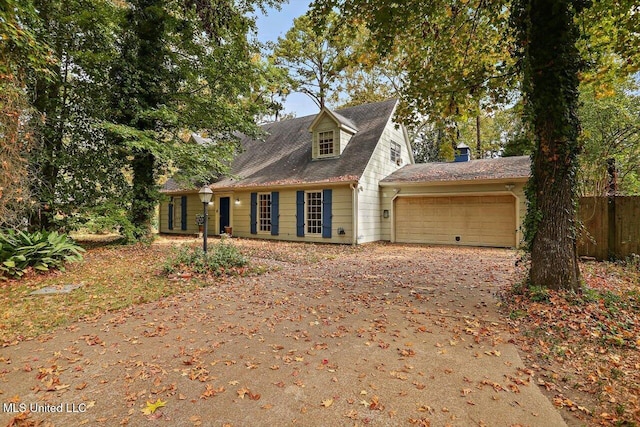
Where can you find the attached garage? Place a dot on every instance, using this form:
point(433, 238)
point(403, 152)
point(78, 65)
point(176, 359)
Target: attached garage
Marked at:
point(456, 220)
point(470, 203)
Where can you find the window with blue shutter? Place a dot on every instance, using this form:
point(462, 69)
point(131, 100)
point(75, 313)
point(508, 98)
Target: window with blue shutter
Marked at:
point(300, 213)
point(254, 213)
point(183, 213)
point(171, 214)
point(275, 213)
point(326, 213)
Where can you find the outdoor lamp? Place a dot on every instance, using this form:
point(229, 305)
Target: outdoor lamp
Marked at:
point(205, 194)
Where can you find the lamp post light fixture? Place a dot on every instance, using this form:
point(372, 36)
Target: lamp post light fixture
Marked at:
point(205, 194)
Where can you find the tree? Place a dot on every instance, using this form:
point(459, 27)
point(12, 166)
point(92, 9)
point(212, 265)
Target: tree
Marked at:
point(314, 59)
point(460, 54)
point(19, 52)
point(547, 37)
point(71, 100)
point(183, 66)
point(610, 135)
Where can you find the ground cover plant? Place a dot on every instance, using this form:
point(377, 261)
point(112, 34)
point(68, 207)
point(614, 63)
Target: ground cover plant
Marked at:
point(585, 346)
point(40, 251)
point(221, 258)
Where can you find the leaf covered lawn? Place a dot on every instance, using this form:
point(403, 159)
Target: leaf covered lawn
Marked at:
point(112, 278)
point(585, 347)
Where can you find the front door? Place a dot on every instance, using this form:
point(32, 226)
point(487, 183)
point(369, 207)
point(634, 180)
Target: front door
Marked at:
point(225, 217)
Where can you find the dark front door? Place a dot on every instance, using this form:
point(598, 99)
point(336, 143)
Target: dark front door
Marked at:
point(225, 217)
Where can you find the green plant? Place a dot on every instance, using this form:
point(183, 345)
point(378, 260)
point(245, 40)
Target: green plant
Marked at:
point(40, 250)
point(220, 259)
point(539, 293)
point(517, 314)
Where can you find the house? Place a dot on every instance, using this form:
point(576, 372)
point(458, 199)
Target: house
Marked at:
point(349, 177)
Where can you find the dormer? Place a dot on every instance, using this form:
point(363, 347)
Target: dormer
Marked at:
point(331, 133)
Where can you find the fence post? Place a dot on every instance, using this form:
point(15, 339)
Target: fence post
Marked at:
point(611, 227)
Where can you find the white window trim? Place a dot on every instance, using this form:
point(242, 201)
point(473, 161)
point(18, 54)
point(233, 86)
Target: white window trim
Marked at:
point(398, 152)
point(307, 222)
point(333, 143)
point(259, 216)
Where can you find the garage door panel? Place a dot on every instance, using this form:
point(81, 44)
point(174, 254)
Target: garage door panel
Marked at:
point(476, 220)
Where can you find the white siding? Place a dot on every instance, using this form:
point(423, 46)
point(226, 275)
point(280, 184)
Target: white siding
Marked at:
point(370, 217)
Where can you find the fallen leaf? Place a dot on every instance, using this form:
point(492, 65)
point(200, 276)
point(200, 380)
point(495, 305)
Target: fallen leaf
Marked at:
point(152, 407)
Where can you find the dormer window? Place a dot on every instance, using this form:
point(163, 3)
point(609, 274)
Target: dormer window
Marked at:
point(325, 143)
point(331, 134)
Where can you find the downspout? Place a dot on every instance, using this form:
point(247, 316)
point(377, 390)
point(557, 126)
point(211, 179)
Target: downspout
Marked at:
point(354, 206)
point(393, 214)
point(509, 188)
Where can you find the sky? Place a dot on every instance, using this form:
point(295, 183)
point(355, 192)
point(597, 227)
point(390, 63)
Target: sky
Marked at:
point(275, 24)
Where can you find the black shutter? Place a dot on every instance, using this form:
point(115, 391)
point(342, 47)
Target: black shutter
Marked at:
point(183, 213)
point(326, 213)
point(275, 213)
point(254, 213)
point(300, 213)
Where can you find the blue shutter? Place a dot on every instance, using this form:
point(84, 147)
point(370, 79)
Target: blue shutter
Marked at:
point(254, 213)
point(183, 213)
point(300, 213)
point(171, 214)
point(275, 213)
point(326, 213)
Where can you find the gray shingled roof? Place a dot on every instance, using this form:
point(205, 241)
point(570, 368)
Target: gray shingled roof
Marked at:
point(284, 156)
point(474, 170)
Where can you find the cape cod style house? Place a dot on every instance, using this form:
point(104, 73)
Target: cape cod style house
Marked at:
point(349, 177)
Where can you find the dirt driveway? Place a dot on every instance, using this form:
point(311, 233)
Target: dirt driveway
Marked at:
point(375, 335)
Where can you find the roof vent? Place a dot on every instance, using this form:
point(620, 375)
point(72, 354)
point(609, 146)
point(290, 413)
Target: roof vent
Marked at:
point(463, 153)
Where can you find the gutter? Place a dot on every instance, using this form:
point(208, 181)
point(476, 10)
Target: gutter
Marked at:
point(431, 183)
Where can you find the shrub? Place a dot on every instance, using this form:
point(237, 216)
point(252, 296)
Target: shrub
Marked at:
point(40, 250)
point(219, 259)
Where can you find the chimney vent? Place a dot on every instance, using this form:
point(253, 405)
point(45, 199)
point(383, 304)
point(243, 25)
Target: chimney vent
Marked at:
point(463, 153)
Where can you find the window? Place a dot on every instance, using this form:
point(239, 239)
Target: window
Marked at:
point(395, 152)
point(264, 212)
point(314, 212)
point(325, 143)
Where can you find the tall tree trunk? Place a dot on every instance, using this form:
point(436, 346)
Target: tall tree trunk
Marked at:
point(551, 65)
point(145, 193)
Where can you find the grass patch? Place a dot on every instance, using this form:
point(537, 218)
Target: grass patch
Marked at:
point(112, 278)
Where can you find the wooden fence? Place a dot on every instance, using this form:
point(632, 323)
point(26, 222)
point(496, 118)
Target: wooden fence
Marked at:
point(610, 227)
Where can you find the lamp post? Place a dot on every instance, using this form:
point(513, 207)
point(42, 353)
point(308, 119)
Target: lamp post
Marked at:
point(205, 196)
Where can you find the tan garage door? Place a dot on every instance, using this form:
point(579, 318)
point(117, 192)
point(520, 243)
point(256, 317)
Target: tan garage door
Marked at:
point(458, 220)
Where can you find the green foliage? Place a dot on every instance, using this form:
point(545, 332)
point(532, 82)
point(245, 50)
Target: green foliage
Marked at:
point(538, 293)
point(183, 67)
point(610, 122)
point(315, 59)
point(108, 218)
point(40, 250)
point(453, 56)
point(222, 258)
